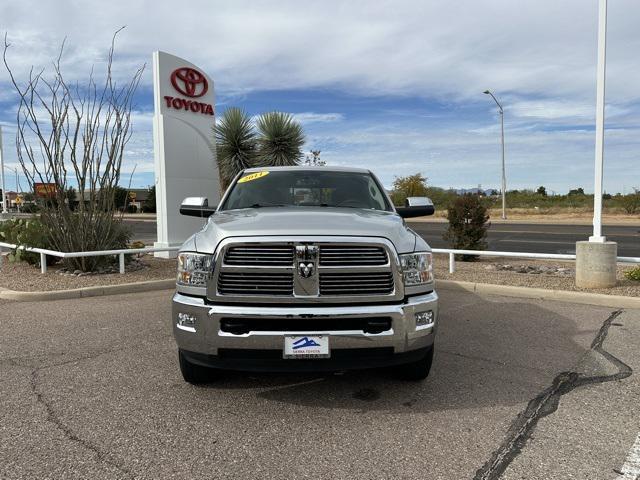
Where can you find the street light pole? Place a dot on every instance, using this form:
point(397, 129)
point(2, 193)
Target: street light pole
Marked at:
point(596, 259)
point(504, 176)
point(600, 82)
point(4, 190)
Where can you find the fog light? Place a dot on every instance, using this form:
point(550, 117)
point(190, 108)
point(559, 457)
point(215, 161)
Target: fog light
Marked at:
point(424, 318)
point(187, 322)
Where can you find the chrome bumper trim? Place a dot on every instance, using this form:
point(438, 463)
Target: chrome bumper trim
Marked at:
point(403, 335)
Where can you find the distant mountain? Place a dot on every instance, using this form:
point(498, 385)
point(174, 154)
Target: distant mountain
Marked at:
point(474, 191)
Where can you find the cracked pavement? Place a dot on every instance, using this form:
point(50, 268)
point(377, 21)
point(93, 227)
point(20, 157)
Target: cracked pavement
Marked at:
point(520, 389)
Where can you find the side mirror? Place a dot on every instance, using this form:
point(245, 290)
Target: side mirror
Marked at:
point(196, 207)
point(416, 207)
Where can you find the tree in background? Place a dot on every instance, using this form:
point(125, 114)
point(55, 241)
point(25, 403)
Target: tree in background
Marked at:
point(149, 205)
point(280, 140)
point(542, 191)
point(576, 191)
point(120, 197)
point(411, 186)
point(314, 160)
point(631, 202)
point(235, 144)
point(468, 225)
point(70, 198)
point(76, 135)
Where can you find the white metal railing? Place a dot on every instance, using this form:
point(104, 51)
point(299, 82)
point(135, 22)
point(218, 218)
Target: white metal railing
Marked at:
point(131, 251)
point(97, 253)
point(488, 253)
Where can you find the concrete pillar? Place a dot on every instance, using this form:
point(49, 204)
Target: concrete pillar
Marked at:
point(596, 264)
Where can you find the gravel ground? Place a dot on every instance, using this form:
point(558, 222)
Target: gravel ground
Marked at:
point(24, 277)
point(477, 272)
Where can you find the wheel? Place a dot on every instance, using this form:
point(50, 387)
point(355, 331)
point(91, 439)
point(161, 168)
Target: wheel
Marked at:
point(416, 371)
point(192, 373)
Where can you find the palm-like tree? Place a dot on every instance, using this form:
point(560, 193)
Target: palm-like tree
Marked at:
point(235, 144)
point(280, 140)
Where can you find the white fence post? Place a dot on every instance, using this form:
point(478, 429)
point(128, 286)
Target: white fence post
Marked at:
point(452, 262)
point(43, 262)
point(121, 258)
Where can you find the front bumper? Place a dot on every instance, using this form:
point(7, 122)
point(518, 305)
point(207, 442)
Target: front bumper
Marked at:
point(206, 344)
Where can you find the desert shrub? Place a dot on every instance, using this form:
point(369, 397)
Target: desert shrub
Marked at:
point(78, 144)
point(29, 208)
point(633, 274)
point(27, 232)
point(468, 224)
point(631, 202)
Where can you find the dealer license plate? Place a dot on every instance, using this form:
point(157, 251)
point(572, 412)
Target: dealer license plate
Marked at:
point(306, 346)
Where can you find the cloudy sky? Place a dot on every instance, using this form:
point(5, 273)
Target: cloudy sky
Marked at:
point(392, 86)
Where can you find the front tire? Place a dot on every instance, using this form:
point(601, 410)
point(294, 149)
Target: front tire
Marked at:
point(416, 371)
point(192, 373)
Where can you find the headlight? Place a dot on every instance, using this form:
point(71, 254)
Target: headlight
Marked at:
point(417, 268)
point(194, 269)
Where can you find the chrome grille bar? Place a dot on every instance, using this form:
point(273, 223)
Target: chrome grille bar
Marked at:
point(255, 283)
point(272, 255)
point(356, 283)
point(356, 255)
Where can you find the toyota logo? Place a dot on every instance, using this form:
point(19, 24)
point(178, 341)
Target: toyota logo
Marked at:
point(189, 82)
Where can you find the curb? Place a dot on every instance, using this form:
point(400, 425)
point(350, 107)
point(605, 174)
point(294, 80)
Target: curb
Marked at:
point(85, 292)
point(599, 299)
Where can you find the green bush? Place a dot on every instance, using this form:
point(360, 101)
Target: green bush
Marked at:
point(633, 274)
point(28, 232)
point(468, 224)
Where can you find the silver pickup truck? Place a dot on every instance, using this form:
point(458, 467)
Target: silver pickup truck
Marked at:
point(305, 269)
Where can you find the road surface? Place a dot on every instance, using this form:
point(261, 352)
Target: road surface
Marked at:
point(511, 237)
point(531, 389)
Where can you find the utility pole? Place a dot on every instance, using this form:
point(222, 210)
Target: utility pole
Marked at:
point(504, 176)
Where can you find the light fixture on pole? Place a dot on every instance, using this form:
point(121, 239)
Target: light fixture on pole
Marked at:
point(4, 190)
point(504, 177)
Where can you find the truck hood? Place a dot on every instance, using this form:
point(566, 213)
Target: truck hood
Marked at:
point(303, 221)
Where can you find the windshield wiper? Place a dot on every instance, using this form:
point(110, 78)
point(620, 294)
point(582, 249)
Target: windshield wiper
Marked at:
point(261, 205)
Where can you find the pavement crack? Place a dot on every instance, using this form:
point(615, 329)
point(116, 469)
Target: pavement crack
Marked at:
point(546, 403)
point(55, 420)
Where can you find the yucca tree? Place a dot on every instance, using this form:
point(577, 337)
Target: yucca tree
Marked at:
point(235, 144)
point(280, 140)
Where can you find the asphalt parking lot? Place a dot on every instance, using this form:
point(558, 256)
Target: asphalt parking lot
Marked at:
point(520, 389)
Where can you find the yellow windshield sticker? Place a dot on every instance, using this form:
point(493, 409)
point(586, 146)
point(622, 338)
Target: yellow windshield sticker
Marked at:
point(252, 176)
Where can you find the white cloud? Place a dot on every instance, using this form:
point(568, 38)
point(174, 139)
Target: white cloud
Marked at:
point(539, 57)
point(433, 49)
point(312, 117)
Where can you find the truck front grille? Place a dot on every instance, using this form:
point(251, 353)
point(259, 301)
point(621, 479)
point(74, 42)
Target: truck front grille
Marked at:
point(306, 271)
point(347, 255)
point(272, 255)
point(243, 283)
point(351, 283)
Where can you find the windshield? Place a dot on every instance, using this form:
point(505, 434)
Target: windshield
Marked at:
point(306, 188)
